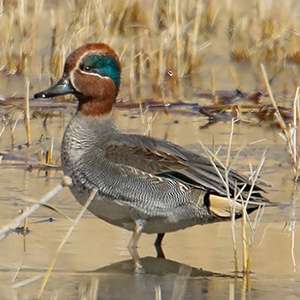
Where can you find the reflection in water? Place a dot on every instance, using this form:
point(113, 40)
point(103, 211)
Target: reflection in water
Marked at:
point(157, 279)
point(169, 278)
point(159, 250)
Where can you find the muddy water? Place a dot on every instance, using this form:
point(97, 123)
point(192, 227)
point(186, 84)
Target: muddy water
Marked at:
point(95, 262)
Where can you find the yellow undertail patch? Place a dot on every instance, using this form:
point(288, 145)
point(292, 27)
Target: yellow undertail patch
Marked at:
point(222, 206)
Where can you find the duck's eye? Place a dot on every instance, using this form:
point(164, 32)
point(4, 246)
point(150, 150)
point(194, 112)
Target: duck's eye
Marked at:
point(85, 68)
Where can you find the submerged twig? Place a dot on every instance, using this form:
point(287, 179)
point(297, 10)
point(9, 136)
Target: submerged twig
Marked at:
point(289, 134)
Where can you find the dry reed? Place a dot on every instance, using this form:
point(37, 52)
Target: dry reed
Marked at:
point(247, 239)
point(167, 36)
point(58, 250)
point(289, 133)
point(6, 229)
point(27, 113)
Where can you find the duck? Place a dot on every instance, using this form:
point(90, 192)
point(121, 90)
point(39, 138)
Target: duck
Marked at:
point(143, 184)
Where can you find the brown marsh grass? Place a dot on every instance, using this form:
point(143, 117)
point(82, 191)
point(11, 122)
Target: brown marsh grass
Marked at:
point(163, 42)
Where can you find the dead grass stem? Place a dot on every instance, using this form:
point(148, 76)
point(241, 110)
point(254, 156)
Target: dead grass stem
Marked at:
point(288, 133)
point(247, 239)
point(58, 250)
point(27, 112)
point(5, 230)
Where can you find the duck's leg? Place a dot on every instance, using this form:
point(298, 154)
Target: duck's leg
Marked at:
point(159, 239)
point(159, 251)
point(138, 268)
point(137, 231)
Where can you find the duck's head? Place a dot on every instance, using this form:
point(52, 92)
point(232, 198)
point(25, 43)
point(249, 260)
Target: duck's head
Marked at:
point(92, 73)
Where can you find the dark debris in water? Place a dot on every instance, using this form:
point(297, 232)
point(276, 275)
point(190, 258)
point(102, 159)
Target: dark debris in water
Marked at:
point(261, 113)
point(10, 160)
point(24, 230)
point(232, 97)
point(226, 106)
point(21, 230)
point(50, 220)
point(223, 106)
point(21, 161)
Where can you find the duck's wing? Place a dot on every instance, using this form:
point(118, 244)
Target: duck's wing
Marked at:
point(147, 154)
point(165, 159)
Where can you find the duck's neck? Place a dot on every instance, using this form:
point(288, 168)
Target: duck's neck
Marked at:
point(95, 107)
point(84, 132)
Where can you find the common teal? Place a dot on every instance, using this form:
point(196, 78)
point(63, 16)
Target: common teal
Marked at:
point(145, 184)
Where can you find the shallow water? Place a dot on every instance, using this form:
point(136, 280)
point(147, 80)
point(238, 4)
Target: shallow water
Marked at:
point(95, 262)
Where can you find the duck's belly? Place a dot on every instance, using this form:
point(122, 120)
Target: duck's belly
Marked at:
point(107, 209)
point(125, 216)
point(167, 224)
